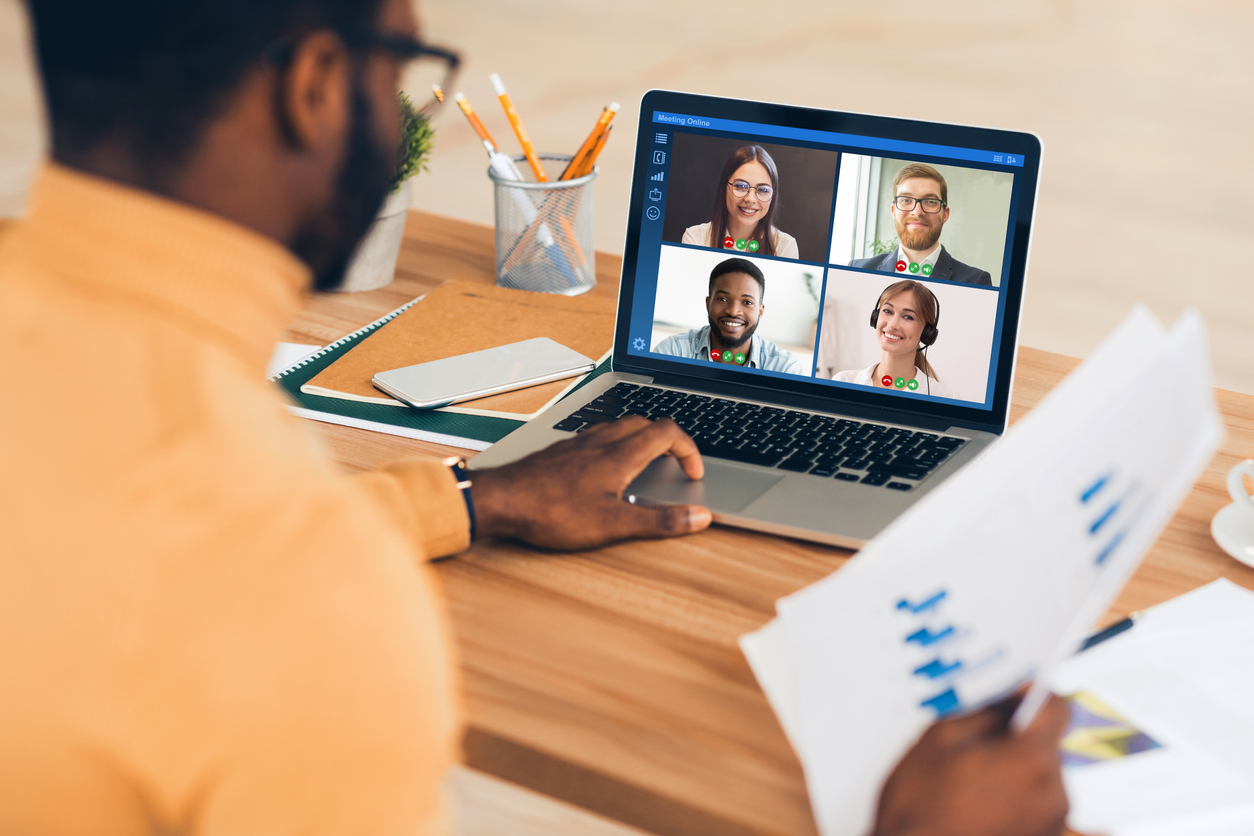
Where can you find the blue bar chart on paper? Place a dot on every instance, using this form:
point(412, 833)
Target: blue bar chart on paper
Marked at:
point(925, 637)
point(1111, 506)
point(945, 651)
point(921, 606)
point(988, 583)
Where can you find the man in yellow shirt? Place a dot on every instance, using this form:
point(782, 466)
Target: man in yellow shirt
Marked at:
point(207, 628)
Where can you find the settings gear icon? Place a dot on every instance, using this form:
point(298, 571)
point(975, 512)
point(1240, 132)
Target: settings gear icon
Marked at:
point(638, 343)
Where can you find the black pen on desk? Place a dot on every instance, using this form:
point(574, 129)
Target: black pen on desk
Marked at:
point(1109, 633)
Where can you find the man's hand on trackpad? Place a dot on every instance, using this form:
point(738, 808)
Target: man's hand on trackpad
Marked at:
point(570, 495)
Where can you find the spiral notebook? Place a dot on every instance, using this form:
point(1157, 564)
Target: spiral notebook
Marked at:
point(439, 426)
point(458, 318)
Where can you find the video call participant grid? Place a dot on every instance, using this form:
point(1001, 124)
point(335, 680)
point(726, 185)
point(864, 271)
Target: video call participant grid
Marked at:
point(917, 204)
point(929, 339)
point(912, 218)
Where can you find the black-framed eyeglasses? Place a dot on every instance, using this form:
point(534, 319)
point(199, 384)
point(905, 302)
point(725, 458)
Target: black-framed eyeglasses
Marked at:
point(740, 188)
point(427, 65)
point(931, 205)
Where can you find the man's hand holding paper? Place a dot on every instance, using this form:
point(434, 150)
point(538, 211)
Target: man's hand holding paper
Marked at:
point(973, 775)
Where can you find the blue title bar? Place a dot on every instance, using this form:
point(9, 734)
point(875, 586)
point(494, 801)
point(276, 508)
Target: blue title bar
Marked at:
point(869, 143)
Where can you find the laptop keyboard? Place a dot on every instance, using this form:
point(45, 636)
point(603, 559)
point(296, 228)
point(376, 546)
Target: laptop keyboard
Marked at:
point(802, 442)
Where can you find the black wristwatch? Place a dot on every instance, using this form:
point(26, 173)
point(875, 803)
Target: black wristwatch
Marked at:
point(458, 465)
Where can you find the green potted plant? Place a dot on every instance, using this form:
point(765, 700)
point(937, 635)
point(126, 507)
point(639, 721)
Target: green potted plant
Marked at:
point(374, 263)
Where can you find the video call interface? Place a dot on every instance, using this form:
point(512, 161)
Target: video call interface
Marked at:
point(856, 267)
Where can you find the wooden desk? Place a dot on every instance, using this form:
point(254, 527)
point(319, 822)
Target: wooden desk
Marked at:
point(612, 679)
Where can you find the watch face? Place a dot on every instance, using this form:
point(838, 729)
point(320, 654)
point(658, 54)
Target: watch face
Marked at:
point(457, 465)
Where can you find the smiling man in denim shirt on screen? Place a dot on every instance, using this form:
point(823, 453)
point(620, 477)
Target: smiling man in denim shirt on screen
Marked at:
point(734, 308)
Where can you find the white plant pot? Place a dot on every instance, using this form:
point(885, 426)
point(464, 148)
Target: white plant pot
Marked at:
point(374, 264)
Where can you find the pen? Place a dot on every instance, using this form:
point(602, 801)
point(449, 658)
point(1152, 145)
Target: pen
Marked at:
point(1109, 633)
point(439, 94)
point(502, 166)
point(519, 130)
point(598, 130)
point(1038, 693)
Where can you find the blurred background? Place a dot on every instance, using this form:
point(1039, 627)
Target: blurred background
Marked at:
point(1144, 111)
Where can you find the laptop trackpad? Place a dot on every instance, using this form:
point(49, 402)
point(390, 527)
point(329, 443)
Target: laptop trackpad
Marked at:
point(725, 488)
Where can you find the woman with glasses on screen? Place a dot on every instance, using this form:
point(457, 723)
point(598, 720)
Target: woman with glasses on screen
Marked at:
point(746, 204)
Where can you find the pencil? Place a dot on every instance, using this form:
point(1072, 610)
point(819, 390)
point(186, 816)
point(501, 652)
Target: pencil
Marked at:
point(564, 200)
point(519, 130)
point(596, 152)
point(598, 130)
point(475, 121)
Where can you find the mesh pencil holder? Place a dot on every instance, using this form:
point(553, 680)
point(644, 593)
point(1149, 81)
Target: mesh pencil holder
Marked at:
point(544, 231)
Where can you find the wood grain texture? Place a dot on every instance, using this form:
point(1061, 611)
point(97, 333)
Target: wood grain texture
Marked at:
point(612, 679)
point(482, 805)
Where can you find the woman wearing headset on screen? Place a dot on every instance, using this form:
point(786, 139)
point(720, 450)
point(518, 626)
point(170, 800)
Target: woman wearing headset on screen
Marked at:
point(746, 203)
point(905, 320)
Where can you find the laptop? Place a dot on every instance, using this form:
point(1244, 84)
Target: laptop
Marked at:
point(827, 302)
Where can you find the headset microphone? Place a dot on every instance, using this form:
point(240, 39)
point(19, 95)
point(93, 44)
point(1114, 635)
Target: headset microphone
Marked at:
point(930, 330)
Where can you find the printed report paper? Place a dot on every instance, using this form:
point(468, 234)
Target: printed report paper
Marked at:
point(1181, 678)
point(997, 575)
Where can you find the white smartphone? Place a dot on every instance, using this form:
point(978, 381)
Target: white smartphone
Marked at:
point(482, 373)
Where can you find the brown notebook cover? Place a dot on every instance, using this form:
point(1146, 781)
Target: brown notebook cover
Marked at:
point(460, 317)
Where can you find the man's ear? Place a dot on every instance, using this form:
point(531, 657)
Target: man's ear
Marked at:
point(313, 95)
point(946, 218)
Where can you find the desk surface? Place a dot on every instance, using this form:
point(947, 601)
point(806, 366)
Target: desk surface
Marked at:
point(612, 679)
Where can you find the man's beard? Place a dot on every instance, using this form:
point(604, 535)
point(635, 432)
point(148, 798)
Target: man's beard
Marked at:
point(745, 335)
point(327, 243)
point(918, 241)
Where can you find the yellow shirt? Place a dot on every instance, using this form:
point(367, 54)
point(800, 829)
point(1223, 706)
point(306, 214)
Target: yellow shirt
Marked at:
point(204, 626)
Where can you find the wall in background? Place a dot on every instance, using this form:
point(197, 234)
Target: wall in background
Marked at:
point(1141, 111)
point(1126, 102)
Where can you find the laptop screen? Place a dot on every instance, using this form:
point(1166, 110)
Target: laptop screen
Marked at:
point(853, 258)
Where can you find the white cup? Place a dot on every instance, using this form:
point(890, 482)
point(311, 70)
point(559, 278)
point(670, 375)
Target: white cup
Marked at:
point(1236, 484)
point(1233, 526)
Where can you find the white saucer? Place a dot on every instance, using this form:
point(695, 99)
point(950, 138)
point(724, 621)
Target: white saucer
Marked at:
point(1233, 530)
